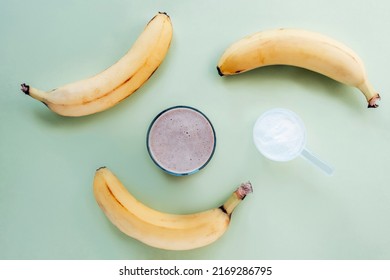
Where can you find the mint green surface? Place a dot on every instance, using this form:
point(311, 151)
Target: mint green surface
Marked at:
point(47, 162)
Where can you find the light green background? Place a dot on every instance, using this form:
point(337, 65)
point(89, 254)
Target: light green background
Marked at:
point(47, 162)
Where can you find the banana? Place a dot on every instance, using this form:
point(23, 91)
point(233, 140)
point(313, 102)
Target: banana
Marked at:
point(158, 229)
point(109, 87)
point(301, 48)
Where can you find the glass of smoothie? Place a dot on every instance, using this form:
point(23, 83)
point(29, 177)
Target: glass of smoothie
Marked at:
point(181, 140)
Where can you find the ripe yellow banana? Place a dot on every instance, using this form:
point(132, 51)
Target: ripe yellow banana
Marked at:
point(117, 82)
point(300, 48)
point(158, 229)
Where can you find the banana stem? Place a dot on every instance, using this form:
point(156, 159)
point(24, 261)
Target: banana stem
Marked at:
point(371, 95)
point(34, 93)
point(237, 197)
point(25, 88)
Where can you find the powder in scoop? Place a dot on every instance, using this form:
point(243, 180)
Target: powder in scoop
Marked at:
point(279, 135)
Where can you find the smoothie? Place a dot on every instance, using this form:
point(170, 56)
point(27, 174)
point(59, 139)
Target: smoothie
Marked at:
point(181, 140)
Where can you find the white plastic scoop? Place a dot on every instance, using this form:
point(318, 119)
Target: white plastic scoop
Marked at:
point(280, 135)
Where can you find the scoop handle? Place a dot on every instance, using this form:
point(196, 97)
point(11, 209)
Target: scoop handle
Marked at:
point(326, 168)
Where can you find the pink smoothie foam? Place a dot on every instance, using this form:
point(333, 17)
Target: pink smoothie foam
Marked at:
point(181, 140)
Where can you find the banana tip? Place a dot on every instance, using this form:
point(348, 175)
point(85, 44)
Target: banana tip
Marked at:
point(164, 13)
point(372, 103)
point(219, 71)
point(25, 88)
point(244, 189)
point(101, 167)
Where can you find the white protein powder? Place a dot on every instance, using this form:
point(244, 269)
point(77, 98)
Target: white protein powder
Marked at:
point(279, 134)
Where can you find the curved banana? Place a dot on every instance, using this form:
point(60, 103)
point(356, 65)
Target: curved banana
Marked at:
point(117, 82)
point(300, 48)
point(158, 229)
